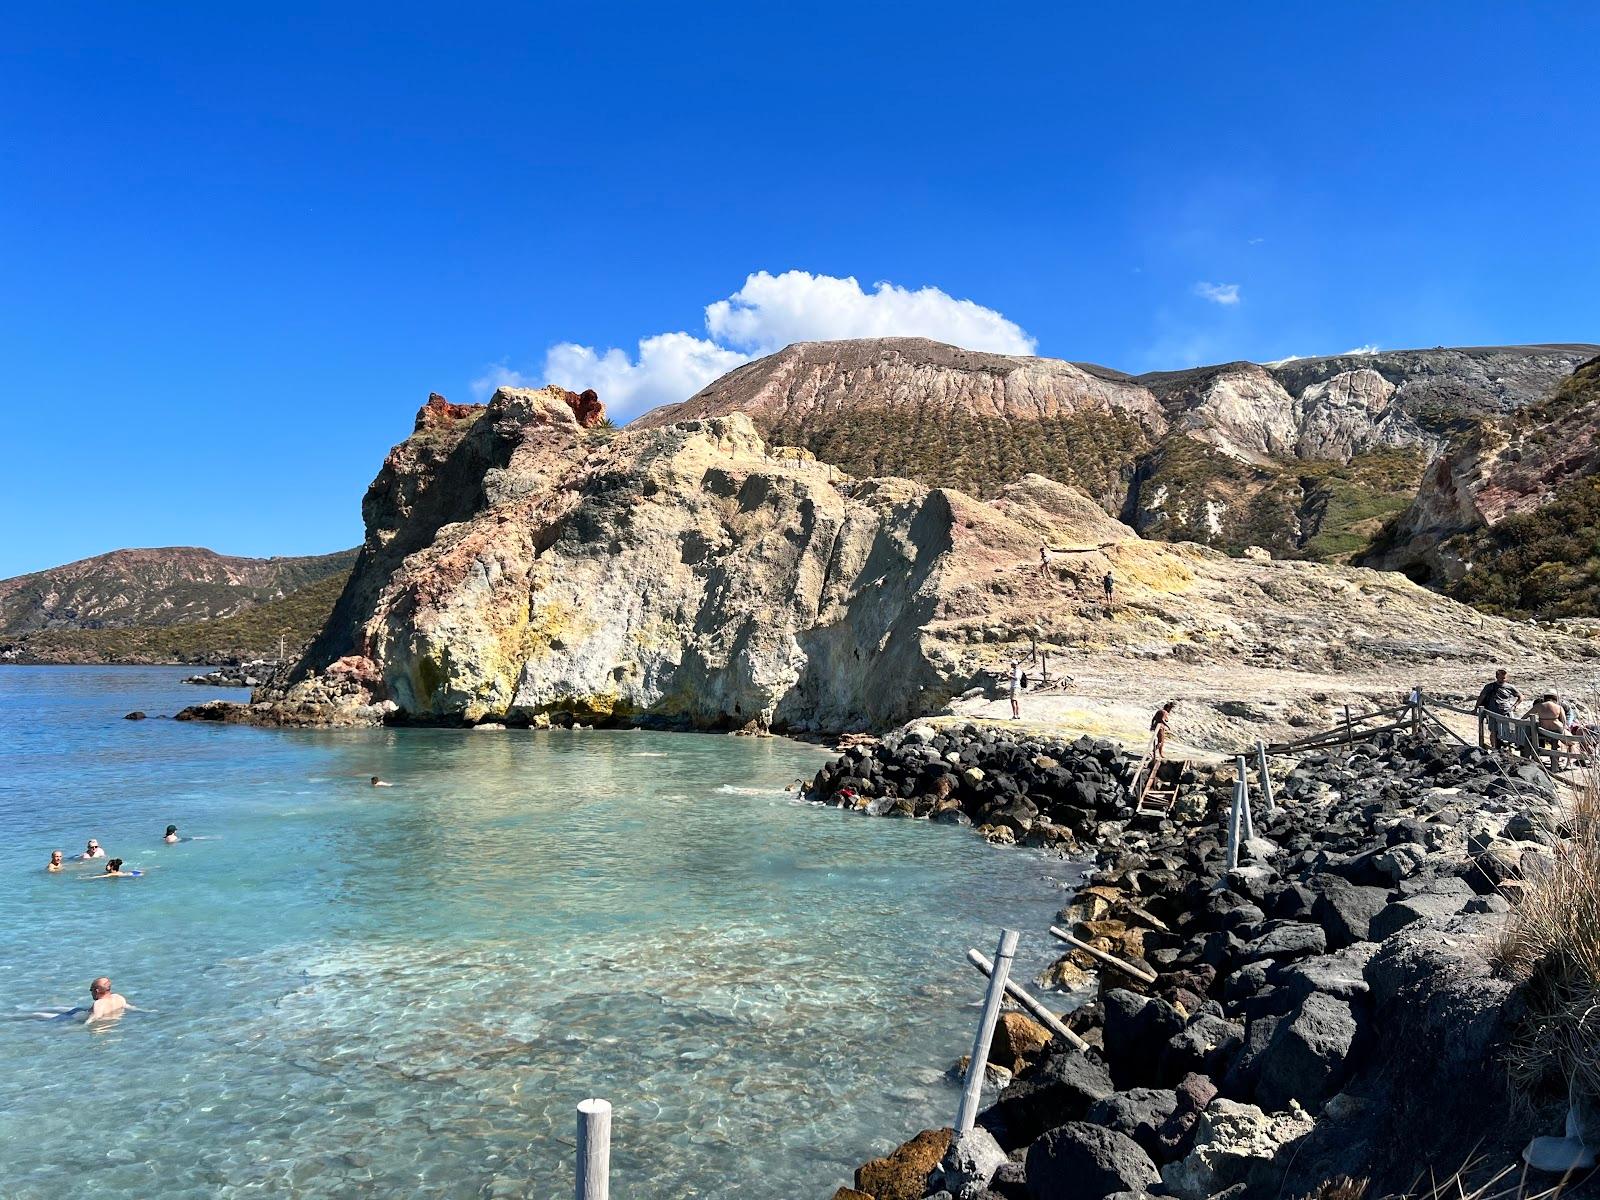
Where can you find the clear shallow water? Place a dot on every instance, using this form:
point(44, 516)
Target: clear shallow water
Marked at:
point(405, 991)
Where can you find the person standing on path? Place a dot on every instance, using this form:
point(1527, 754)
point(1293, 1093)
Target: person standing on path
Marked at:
point(1110, 585)
point(1500, 700)
point(1016, 688)
point(1158, 726)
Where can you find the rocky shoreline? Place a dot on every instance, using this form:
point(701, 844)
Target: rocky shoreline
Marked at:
point(1330, 1007)
point(238, 674)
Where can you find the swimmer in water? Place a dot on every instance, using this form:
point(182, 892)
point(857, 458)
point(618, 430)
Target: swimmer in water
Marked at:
point(114, 871)
point(92, 850)
point(376, 782)
point(55, 861)
point(171, 835)
point(108, 1006)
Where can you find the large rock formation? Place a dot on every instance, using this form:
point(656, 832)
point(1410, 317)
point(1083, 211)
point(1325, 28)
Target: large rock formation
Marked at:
point(519, 566)
point(1309, 457)
point(1510, 516)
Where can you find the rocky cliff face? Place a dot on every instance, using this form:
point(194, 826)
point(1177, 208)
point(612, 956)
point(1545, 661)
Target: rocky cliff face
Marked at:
point(1309, 458)
point(168, 586)
point(1509, 516)
point(521, 567)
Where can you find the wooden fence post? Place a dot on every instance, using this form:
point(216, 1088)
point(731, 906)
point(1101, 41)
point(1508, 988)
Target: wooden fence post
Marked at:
point(594, 1150)
point(967, 1114)
point(1349, 733)
point(1242, 781)
point(1233, 830)
point(1416, 712)
point(1266, 779)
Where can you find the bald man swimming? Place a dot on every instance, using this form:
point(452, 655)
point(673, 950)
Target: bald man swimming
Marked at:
point(108, 1006)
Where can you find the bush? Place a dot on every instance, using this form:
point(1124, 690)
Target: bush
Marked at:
point(1552, 946)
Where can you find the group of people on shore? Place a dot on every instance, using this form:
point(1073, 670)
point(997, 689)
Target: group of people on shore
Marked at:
point(1554, 717)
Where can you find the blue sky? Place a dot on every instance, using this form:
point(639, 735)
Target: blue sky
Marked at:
point(240, 244)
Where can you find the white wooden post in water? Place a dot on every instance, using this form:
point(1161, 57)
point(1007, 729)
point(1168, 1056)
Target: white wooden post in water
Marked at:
point(594, 1150)
point(1266, 779)
point(967, 1114)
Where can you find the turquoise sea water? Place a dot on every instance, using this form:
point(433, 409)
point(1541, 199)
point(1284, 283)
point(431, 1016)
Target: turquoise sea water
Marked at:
point(351, 991)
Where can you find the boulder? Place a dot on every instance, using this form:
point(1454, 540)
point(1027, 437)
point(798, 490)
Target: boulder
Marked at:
point(135, 715)
point(903, 1173)
point(1345, 910)
point(1306, 1059)
point(1079, 1161)
point(1432, 906)
point(1204, 1046)
point(1138, 1112)
point(1287, 939)
point(1059, 1089)
point(1137, 1030)
point(1233, 1144)
point(1018, 1039)
point(1193, 1093)
point(1342, 975)
point(969, 1163)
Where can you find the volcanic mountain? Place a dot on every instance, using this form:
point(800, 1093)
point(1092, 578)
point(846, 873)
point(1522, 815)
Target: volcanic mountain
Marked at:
point(1311, 458)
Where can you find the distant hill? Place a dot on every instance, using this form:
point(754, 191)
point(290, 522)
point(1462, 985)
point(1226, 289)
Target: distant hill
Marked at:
point(1313, 458)
point(174, 604)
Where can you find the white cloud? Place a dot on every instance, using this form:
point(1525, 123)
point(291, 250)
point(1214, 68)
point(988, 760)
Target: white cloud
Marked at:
point(669, 367)
point(771, 311)
point(498, 375)
point(766, 314)
point(1218, 293)
point(1369, 348)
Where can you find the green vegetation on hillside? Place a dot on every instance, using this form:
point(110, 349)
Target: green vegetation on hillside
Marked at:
point(1544, 563)
point(1326, 511)
point(173, 585)
point(1351, 502)
point(974, 454)
point(254, 633)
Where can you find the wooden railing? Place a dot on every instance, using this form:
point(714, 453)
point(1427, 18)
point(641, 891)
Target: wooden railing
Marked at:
point(1557, 751)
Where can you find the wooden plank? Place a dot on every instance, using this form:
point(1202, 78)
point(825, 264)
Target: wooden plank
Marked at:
point(967, 1113)
point(1045, 1017)
point(1110, 960)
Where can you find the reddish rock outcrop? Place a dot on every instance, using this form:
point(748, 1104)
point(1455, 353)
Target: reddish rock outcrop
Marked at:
point(439, 411)
point(586, 407)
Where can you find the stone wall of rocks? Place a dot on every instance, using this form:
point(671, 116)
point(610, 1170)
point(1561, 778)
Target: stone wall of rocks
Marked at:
point(1015, 788)
point(1326, 1008)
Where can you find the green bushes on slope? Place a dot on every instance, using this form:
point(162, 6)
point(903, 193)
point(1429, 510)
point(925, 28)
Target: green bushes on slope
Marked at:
point(253, 633)
point(1544, 563)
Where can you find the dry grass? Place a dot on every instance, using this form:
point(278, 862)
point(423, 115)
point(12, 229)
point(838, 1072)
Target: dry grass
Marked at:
point(1508, 1184)
point(1552, 945)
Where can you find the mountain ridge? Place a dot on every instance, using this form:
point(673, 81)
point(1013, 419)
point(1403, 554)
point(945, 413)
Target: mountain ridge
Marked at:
point(1313, 457)
point(166, 604)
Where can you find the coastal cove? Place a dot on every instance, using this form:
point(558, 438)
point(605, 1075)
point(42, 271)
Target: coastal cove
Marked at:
point(354, 991)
